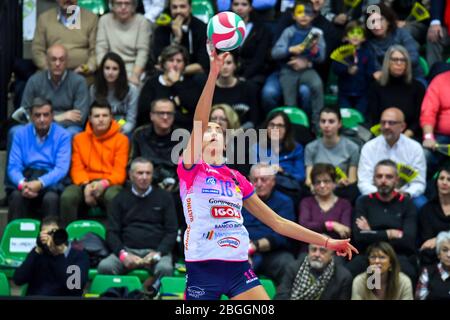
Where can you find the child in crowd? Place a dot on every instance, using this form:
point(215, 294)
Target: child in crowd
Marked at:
point(297, 48)
point(356, 72)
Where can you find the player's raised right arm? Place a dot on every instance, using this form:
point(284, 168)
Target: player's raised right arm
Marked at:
point(193, 151)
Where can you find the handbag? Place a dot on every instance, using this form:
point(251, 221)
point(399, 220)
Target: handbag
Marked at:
point(96, 248)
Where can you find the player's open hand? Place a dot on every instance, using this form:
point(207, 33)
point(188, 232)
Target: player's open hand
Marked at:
point(215, 60)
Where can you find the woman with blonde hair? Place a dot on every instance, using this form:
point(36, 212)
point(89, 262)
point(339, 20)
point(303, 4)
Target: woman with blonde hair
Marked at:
point(397, 88)
point(225, 116)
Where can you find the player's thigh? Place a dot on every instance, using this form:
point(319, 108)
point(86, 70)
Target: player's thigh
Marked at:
point(255, 293)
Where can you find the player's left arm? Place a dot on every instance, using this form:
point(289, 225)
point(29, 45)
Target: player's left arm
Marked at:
point(293, 230)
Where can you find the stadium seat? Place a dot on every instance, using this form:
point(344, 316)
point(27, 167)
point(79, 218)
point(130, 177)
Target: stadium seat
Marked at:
point(351, 118)
point(18, 239)
point(296, 115)
point(172, 287)
point(331, 98)
point(95, 6)
point(269, 286)
point(424, 66)
point(102, 283)
point(77, 229)
point(142, 274)
point(202, 9)
point(4, 285)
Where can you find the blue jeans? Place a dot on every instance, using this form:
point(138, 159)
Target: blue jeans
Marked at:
point(356, 102)
point(272, 94)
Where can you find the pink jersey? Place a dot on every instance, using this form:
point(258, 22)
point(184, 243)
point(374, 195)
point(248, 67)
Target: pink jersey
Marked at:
point(212, 201)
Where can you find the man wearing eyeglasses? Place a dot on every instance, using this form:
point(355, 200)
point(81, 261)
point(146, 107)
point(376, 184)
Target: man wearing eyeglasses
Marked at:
point(394, 145)
point(154, 142)
point(315, 276)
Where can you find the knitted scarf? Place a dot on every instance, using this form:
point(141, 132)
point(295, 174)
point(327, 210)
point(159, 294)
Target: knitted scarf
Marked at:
point(306, 287)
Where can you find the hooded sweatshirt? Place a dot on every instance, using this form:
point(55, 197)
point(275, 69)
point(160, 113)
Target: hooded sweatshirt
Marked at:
point(99, 157)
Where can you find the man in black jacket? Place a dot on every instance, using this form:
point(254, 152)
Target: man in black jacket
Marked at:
point(154, 142)
point(51, 268)
point(386, 215)
point(316, 276)
point(184, 30)
point(142, 227)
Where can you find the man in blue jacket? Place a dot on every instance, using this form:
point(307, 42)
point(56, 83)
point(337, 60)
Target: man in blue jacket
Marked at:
point(269, 251)
point(38, 162)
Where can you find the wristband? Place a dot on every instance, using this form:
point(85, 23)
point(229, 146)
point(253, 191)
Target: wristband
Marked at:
point(251, 250)
point(104, 183)
point(428, 136)
point(329, 225)
point(20, 186)
point(123, 254)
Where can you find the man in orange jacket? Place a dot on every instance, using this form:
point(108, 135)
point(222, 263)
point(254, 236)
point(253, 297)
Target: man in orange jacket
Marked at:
point(99, 159)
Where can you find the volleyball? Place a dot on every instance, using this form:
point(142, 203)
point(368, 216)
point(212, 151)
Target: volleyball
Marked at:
point(226, 30)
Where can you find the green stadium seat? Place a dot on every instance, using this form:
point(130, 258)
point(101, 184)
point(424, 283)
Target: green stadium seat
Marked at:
point(351, 118)
point(92, 273)
point(330, 97)
point(269, 286)
point(19, 237)
point(95, 6)
point(77, 229)
point(296, 115)
point(172, 288)
point(142, 274)
point(102, 283)
point(424, 66)
point(5, 290)
point(202, 9)
point(331, 100)
point(23, 290)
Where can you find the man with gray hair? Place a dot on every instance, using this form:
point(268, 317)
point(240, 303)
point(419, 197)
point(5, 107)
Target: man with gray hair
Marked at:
point(66, 90)
point(142, 226)
point(269, 251)
point(38, 162)
point(434, 282)
point(315, 276)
